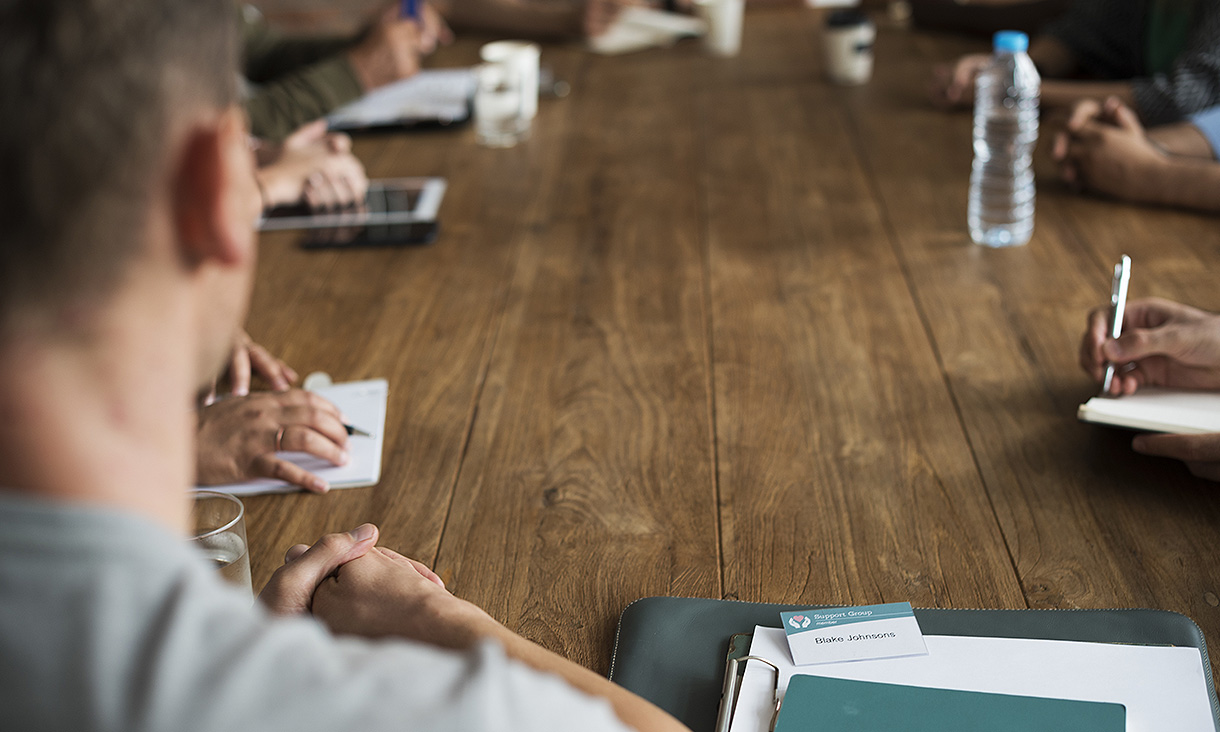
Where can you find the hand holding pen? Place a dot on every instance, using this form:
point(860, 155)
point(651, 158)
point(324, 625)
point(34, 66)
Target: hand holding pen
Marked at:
point(392, 46)
point(1162, 343)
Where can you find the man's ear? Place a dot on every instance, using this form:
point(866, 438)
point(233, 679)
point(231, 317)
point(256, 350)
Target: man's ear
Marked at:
point(215, 195)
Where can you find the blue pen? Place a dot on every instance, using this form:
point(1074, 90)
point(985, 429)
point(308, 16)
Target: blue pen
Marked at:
point(410, 9)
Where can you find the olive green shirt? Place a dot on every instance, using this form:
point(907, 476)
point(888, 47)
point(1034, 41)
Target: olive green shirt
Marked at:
point(293, 80)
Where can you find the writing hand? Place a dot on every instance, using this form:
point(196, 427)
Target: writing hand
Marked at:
point(238, 438)
point(389, 51)
point(249, 358)
point(434, 31)
point(1163, 343)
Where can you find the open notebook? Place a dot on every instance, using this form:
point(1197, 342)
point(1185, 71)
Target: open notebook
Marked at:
point(364, 403)
point(1176, 411)
point(433, 96)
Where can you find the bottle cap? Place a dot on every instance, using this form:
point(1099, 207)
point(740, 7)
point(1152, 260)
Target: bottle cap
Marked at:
point(1011, 42)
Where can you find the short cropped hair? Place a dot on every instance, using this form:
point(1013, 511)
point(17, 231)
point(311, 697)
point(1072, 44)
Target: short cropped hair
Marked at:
point(89, 90)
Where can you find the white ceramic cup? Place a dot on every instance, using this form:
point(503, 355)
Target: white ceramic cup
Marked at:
point(525, 58)
point(724, 21)
point(848, 39)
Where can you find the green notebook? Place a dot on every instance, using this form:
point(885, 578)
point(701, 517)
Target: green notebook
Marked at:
point(838, 705)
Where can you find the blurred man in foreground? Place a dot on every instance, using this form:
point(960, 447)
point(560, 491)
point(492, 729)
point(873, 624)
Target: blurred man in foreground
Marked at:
point(125, 269)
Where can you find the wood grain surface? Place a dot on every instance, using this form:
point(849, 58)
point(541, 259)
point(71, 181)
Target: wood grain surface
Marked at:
point(717, 330)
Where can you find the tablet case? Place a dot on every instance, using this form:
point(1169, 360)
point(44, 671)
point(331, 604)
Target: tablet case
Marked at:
point(671, 650)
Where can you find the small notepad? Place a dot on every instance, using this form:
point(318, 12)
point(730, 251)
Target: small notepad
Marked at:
point(1176, 411)
point(364, 403)
point(638, 28)
point(816, 704)
point(432, 95)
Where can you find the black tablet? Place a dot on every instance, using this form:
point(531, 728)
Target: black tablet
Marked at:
point(395, 212)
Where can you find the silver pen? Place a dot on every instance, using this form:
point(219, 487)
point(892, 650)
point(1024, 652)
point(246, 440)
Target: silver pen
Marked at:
point(1118, 306)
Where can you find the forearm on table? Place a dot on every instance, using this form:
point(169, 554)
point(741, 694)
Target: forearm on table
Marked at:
point(1060, 93)
point(1182, 138)
point(1187, 183)
point(464, 625)
point(633, 710)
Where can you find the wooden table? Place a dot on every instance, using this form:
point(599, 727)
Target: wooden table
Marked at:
point(717, 330)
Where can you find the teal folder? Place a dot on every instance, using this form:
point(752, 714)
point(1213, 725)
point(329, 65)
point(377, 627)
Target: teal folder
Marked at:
point(671, 650)
point(841, 705)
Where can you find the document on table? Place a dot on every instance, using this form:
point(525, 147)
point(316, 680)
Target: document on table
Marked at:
point(364, 403)
point(1162, 687)
point(432, 95)
point(1177, 411)
point(637, 29)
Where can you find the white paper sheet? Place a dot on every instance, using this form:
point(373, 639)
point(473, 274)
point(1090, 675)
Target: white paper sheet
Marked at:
point(637, 29)
point(441, 95)
point(364, 403)
point(1159, 410)
point(1163, 688)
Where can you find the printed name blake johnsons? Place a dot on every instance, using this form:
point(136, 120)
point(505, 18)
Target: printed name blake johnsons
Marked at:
point(850, 638)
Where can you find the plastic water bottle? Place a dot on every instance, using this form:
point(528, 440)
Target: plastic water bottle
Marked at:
point(1001, 209)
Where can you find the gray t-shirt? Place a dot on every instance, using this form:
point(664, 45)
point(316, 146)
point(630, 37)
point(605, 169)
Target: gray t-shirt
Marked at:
point(108, 622)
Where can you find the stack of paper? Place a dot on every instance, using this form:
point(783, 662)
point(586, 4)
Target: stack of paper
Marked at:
point(437, 95)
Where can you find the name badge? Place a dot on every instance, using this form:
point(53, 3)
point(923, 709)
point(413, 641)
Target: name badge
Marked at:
point(853, 633)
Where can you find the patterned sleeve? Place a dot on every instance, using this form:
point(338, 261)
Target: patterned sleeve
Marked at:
point(1193, 84)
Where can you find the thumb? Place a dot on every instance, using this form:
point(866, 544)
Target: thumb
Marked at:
point(306, 134)
point(1126, 118)
point(290, 590)
point(1143, 342)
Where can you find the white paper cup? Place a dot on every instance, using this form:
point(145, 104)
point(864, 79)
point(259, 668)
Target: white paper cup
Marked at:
point(724, 21)
point(525, 57)
point(499, 111)
point(849, 50)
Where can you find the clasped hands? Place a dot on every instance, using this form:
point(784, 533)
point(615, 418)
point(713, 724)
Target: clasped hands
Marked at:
point(358, 588)
point(1167, 344)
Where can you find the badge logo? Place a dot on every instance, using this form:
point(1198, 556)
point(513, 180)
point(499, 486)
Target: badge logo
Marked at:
point(799, 621)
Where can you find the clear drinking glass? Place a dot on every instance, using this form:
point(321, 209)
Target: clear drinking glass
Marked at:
point(220, 533)
point(499, 109)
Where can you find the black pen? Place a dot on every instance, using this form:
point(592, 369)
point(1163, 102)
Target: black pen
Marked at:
point(353, 430)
